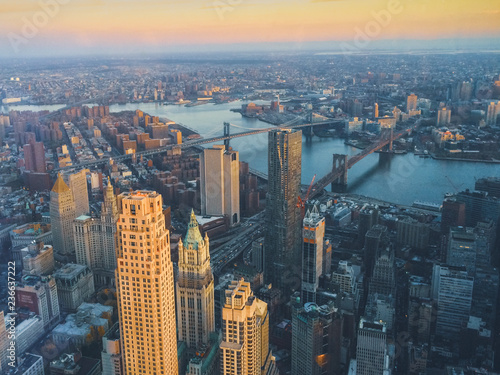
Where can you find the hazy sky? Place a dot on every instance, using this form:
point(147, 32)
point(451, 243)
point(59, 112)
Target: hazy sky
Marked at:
point(84, 26)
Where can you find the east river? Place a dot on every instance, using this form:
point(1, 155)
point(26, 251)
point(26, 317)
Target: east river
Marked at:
point(400, 179)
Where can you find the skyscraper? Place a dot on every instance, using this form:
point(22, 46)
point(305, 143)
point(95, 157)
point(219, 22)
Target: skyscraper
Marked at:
point(371, 350)
point(77, 183)
point(109, 235)
point(411, 103)
point(195, 288)
point(479, 206)
point(492, 113)
point(62, 214)
point(491, 185)
point(283, 220)
point(145, 285)
point(374, 239)
point(462, 249)
point(443, 116)
point(220, 183)
point(245, 333)
point(383, 277)
point(312, 254)
point(96, 240)
point(452, 289)
point(453, 214)
point(34, 157)
point(312, 339)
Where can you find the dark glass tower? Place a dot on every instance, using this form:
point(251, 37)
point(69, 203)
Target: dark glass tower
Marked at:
point(283, 241)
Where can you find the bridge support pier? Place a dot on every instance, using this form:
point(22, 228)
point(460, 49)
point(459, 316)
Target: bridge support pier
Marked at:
point(226, 134)
point(340, 166)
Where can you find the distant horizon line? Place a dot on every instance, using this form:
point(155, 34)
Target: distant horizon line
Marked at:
point(317, 48)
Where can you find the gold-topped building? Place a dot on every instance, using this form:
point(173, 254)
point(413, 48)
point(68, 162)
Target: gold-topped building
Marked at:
point(62, 214)
point(245, 333)
point(195, 288)
point(145, 285)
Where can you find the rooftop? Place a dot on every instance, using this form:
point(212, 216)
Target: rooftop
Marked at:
point(60, 186)
point(28, 360)
point(70, 271)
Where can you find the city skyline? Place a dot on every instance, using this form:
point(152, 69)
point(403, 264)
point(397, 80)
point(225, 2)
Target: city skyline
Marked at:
point(55, 27)
point(348, 224)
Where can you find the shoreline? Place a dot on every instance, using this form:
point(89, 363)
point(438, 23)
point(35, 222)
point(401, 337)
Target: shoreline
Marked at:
point(466, 160)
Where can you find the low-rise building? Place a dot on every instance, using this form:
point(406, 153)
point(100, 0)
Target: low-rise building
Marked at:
point(28, 364)
point(32, 232)
point(89, 322)
point(39, 295)
point(28, 332)
point(75, 285)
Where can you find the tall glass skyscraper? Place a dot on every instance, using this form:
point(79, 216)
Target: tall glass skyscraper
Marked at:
point(283, 240)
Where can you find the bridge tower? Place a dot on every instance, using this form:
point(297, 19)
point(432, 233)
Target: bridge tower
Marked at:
point(226, 134)
point(340, 167)
point(387, 134)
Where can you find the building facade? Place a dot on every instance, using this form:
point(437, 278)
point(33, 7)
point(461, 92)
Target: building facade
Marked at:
point(371, 350)
point(34, 157)
point(62, 214)
point(462, 249)
point(411, 103)
point(195, 288)
point(452, 289)
point(220, 183)
point(96, 240)
point(312, 253)
point(111, 355)
point(75, 285)
point(312, 339)
point(39, 295)
point(245, 333)
point(283, 219)
point(77, 183)
point(145, 285)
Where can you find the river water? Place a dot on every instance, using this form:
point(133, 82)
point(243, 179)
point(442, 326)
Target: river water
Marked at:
point(400, 179)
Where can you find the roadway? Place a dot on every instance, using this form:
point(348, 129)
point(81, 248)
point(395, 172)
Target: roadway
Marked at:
point(251, 230)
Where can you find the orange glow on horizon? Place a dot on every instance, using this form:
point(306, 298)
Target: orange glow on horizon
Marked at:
point(155, 22)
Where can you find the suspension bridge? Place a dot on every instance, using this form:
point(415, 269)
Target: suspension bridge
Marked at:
point(337, 178)
point(341, 163)
point(226, 137)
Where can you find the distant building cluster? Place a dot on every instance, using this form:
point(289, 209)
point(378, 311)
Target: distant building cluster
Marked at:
point(137, 249)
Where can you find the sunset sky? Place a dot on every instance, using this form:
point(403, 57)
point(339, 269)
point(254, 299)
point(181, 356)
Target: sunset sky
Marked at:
point(86, 26)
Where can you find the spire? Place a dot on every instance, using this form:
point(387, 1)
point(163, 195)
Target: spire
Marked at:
point(193, 235)
point(60, 186)
point(109, 187)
